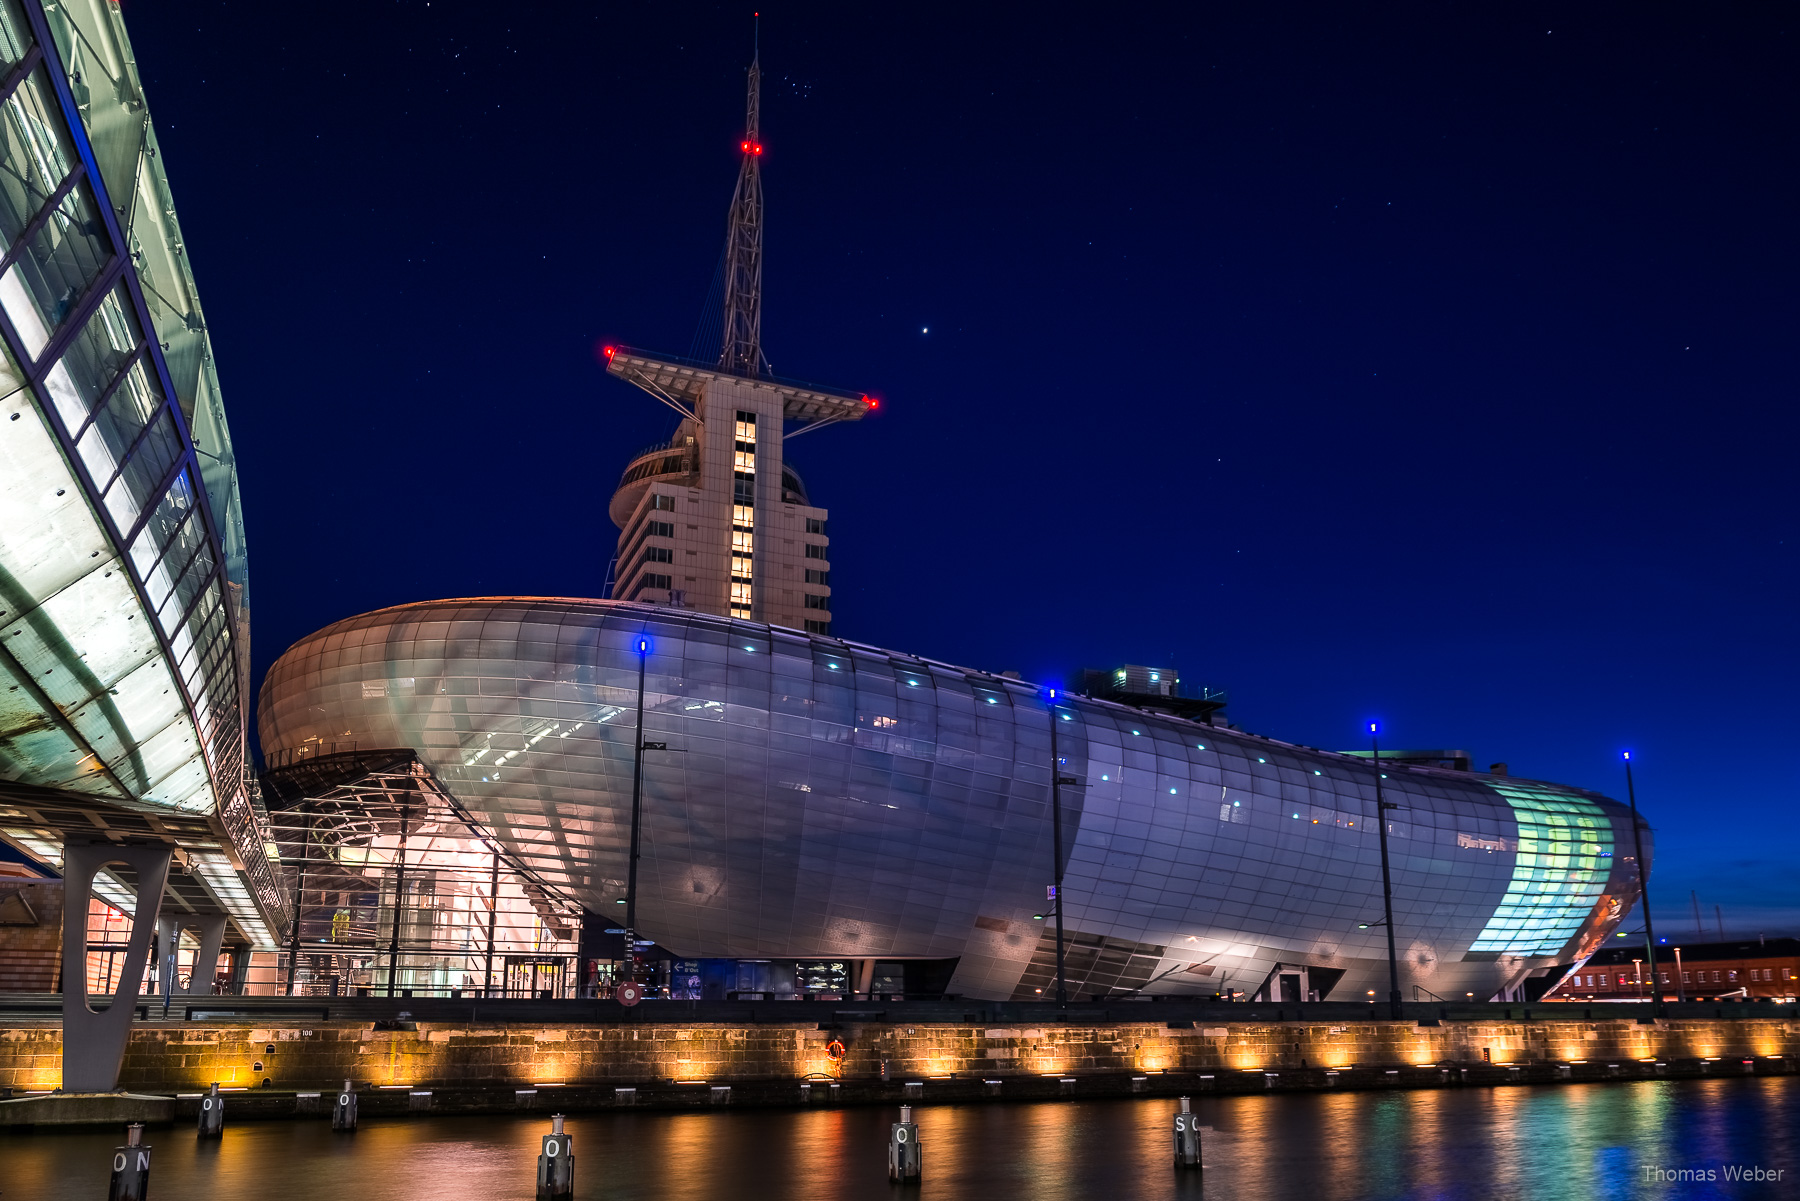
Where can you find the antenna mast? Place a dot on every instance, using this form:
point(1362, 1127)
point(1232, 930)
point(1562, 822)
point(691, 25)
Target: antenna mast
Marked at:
point(742, 352)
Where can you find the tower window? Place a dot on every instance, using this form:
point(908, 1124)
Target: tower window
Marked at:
point(814, 601)
point(815, 525)
point(818, 577)
point(815, 551)
point(659, 501)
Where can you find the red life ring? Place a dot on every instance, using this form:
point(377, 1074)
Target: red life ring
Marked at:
point(835, 1050)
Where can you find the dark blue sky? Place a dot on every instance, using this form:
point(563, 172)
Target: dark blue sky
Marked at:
point(1424, 362)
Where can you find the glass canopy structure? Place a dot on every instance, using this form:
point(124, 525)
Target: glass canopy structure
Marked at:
point(124, 603)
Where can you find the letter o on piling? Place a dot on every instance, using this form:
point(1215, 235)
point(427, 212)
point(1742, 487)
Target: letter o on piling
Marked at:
point(905, 1155)
point(130, 1167)
point(212, 1114)
point(556, 1164)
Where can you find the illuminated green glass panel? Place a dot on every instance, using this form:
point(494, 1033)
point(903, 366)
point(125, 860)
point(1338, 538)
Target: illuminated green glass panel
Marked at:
point(1564, 859)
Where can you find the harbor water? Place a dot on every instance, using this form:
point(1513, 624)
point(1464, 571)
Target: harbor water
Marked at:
point(1591, 1143)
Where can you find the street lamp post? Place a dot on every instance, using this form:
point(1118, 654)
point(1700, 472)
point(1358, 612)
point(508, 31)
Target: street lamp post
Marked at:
point(1637, 836)
point(487, 987)
point(1387, 882)
point(1056, 866)
point(399, 902)
point(642, 647)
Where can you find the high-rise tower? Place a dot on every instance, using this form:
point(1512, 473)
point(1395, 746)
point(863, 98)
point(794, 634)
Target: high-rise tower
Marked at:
point(714, 519)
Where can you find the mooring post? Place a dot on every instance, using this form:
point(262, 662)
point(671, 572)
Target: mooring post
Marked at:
point(130, 1167)
point(1187, 1136)
point(212, 1113)
point(343, 1114)
point(556, 1164)
point(905, 1156)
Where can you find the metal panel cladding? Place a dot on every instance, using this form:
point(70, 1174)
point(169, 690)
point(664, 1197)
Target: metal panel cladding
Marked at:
point(823, 798)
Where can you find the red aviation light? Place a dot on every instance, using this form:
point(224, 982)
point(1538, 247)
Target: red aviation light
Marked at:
point(872, 403)
point(750, 147)
point(611, 351)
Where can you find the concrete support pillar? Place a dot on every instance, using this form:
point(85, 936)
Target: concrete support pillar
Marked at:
point(240, 970)
point(206, 961)
point(94, 1040)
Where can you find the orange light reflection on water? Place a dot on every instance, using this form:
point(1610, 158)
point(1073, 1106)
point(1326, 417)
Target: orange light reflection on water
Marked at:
point(1550, 1141)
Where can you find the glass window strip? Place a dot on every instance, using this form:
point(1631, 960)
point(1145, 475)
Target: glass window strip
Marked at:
point(38, 146)
point(192, 579)
point(159, 433)
point(176, 470)
point(42, 217)
point(148, 549)
point(61, 258)
point(19, 52)
point(129, 369)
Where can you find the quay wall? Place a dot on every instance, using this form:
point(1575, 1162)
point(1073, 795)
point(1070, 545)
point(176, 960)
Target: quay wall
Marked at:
point(187, 1056)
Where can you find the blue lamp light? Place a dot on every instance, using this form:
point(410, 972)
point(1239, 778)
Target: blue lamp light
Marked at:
point(643, 646)
point(1374, 727)
point(1627, 756)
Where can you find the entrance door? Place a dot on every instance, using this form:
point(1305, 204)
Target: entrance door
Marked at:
point(534, 978)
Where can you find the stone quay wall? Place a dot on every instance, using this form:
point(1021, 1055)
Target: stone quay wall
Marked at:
point(167, 1057)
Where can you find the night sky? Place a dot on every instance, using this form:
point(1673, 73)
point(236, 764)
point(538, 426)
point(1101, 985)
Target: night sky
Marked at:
point(1431, 363)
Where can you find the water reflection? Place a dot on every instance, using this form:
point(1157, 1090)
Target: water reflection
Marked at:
point(1581, 1142)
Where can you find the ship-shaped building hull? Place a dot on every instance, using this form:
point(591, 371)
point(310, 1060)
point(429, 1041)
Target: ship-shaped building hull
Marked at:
point(807, 800)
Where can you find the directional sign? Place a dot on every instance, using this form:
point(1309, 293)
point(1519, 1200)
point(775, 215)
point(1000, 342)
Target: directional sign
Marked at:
point(656, 746)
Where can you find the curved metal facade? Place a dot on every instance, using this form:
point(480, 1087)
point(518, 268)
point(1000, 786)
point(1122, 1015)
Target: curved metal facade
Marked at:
point(823, 798)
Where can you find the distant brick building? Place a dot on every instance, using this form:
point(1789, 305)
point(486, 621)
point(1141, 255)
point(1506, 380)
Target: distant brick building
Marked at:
point(1758, 969)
